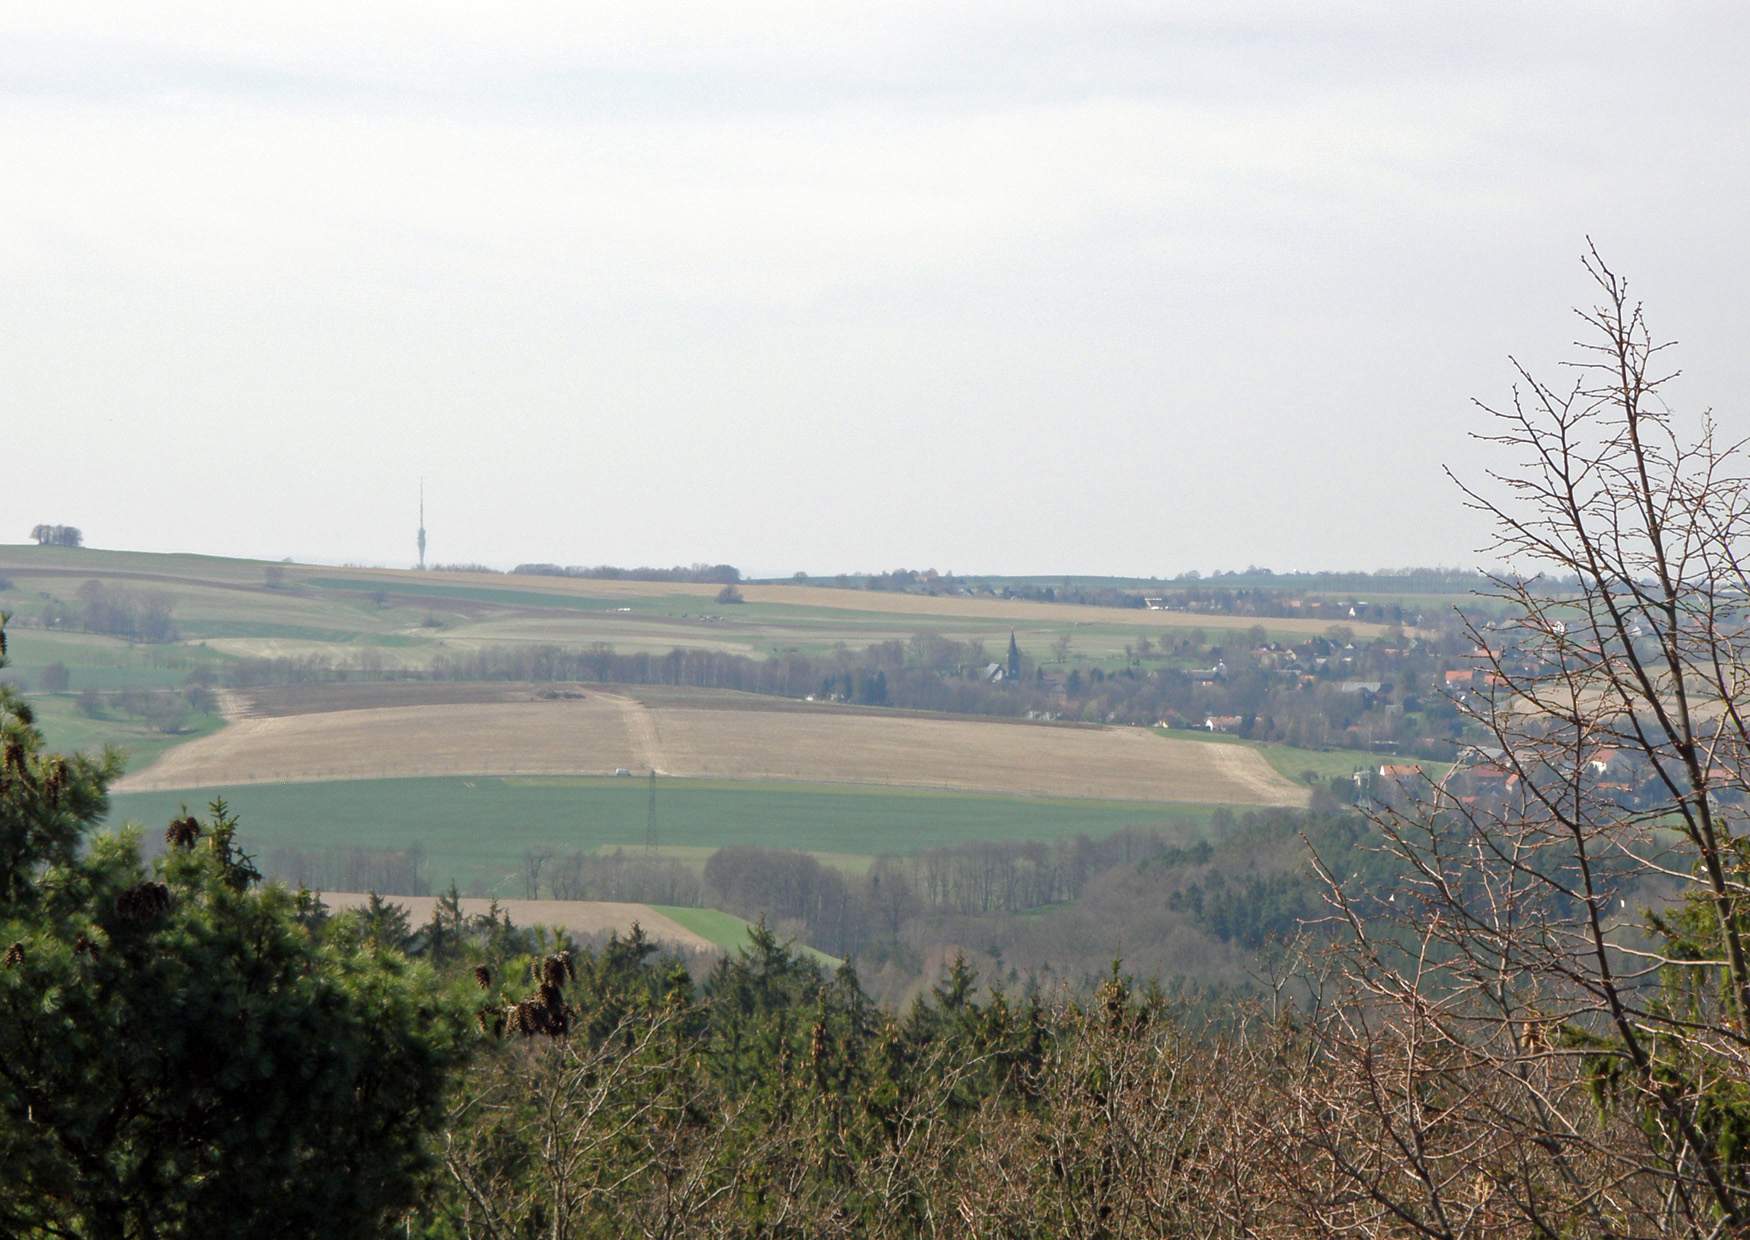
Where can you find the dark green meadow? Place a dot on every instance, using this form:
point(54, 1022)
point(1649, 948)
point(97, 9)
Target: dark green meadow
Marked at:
point(475, 830)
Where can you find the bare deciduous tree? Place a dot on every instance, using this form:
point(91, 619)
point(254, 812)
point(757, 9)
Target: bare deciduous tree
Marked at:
point(534, 862)
point(1545, 1031)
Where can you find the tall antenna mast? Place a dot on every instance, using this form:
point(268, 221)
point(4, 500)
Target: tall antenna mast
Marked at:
point(650, 817)
point(422, 523)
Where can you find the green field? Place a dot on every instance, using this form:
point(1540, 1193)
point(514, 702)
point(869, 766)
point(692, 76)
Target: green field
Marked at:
point(476, 830)
point(96, 662)
point(65, 730)
point(694, 856)
point(728, 931)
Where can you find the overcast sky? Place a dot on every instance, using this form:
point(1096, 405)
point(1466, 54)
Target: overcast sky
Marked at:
point(1097, 287)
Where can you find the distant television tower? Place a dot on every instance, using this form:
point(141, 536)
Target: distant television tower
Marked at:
point(422, 523)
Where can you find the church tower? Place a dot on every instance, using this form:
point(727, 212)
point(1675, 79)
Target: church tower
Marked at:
point(1014, 671)
point(422, 523)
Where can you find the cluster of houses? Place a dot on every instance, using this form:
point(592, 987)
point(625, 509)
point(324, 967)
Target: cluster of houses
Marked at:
point(1489, 780)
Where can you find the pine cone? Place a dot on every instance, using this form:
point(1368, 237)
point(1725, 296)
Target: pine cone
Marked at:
point(143, 902)
point(555, 969)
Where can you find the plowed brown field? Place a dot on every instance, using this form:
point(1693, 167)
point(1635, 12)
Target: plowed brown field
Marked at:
point(605, 732)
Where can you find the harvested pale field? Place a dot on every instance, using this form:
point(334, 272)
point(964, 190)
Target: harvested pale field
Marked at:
point(604, 732)
point(623, 632)
point(579, 917)
point(1127, 764)
point(536, 738)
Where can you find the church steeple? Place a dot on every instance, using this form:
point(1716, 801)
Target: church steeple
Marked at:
point(1014, 671)
point(422, 523)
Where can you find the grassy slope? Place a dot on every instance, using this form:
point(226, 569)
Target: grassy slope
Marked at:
point(65, 730)
point(694, 856)
point(729, 931)
point(1288, 760)
point(95, 662)
point(1295, 762)
point(476, 830)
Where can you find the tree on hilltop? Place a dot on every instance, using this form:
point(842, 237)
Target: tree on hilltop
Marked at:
point(57, 536)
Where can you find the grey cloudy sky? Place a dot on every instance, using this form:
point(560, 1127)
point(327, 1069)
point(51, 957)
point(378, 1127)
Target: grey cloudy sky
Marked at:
point(993, 287)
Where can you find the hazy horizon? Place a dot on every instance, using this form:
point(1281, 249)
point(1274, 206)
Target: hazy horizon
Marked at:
point(758, 572)
point(1128, 289)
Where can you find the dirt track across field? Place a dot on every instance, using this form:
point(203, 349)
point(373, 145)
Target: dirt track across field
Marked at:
point(600, 733)
point(579, 917)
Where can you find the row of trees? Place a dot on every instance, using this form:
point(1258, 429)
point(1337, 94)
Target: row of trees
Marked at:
point(57, 536)
point(400, 871)
point(122, 611)
point(710, 574)
point(934, 673)
point(1024, 910)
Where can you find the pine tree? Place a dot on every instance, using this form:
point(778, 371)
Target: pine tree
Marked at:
point(179, 1054)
